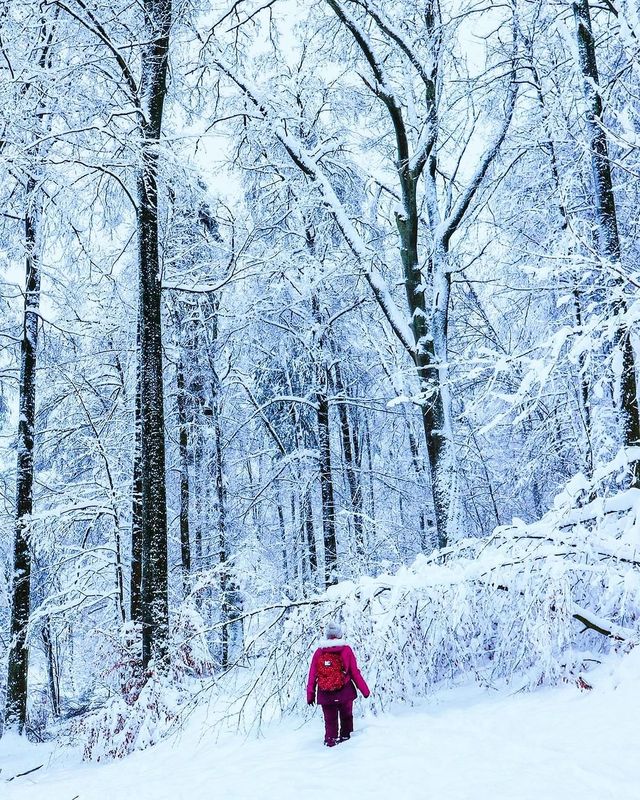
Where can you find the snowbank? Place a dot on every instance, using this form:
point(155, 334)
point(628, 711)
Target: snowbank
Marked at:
point(531, 605)
point(557, 743)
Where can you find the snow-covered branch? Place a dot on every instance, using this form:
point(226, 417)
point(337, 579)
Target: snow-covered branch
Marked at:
point(314, 171)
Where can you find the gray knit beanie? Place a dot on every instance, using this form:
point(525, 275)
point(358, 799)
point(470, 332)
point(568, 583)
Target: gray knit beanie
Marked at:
point(333, 630)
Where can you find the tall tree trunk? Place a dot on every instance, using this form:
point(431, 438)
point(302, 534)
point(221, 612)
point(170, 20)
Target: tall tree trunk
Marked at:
point(583, 394)
point(305, 544)
point(309, 551)
point(429, 325)
point(350, 465)
point(225, 588)
point(330, 545)
point(298, 542)
point(135, 586)
point(606, 234)
point(283, 538)
point(120, 570)
point(52, 667)
point(153, 89)
point(372, 493)
point(198, 500)
point(16, 698)
point(326, 483)
point(183, 433)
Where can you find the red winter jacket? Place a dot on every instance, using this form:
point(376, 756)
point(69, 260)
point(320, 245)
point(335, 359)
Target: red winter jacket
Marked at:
point(348, 692)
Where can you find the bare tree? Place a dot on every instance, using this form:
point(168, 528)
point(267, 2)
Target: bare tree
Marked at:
point(607, 238)
point(423, 331)
point(18, 664)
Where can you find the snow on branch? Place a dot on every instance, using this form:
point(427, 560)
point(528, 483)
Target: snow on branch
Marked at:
point(310, 167)
point(449, 226)
point(383, 84)
point(95, 27)
point(601, 626)
point(394, 33)
point(492, 610)
point(502, 609)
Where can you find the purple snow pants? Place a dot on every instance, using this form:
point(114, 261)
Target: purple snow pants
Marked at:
point(338, 721)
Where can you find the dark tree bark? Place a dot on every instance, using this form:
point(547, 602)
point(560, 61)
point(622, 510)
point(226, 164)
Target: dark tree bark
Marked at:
point(135, 587)
point(298, 539)
point(52, 667)
point(183, 433)
point(330, 545)
point(604, 204)
point(198, 501)
point(153, 90)
point(372, 494)
point(326, 483)
point(283, 539)
point(308, 535)
point(350, 464)
point(18, 668)
point(430, 350)
point(223, 556)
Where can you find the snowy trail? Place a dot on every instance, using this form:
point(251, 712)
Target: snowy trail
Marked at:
point(555, 744)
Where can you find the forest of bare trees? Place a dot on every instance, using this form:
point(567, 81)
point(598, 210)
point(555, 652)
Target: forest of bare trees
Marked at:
point(291, 294)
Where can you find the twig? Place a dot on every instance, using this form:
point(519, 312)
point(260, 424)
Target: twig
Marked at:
point(588, 624)
point(28, 772)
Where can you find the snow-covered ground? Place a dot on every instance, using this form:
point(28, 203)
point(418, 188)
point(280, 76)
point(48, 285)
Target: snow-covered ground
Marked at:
point(464, 744)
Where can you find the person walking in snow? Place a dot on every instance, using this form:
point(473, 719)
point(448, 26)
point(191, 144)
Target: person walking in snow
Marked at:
point(333, 678)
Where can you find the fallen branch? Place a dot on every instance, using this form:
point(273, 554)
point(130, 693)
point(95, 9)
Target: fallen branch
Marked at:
point(22, 774)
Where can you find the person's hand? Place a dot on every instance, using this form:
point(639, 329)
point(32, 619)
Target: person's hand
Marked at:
point(311, 701)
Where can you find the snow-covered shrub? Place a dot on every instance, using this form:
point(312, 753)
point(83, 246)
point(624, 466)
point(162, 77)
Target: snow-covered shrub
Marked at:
point(529, 603)
point(121, 727)
point(191, 651)
point(121, 658)
point(142, 704)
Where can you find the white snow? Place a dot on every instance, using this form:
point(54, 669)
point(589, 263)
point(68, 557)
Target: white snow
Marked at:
point(464, 744)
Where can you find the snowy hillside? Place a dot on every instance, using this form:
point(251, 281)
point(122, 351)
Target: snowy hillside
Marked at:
point(502, 668)
point(531, 604)
point(468, 744)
